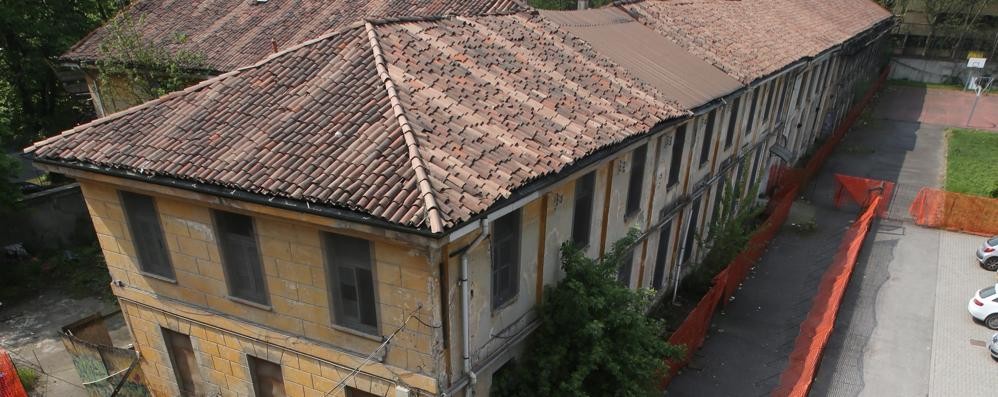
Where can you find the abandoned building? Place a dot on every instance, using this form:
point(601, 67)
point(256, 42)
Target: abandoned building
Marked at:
point(377, 208)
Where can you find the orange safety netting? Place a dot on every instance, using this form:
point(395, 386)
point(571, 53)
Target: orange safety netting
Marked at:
point(692, 332)
point(817, 327)
point(10, 383)
point(954, 211)
point(862, 190)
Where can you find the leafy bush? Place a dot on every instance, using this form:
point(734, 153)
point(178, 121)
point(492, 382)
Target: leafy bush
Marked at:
point(593, 338)
point(29, 377)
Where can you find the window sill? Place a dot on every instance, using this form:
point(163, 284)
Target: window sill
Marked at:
point(504, 305)
point(158, 277)
point(246, 302)
point(359, 333)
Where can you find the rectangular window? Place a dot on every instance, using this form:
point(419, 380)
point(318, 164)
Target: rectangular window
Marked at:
point(185, 367)
point(626, 265)
point(268, 381)
point(240, 257)
point(582, 214)
point(708, 134)
point(768, 111)
point(636, 182)
point(732, 123)
point(781, 108)
point(755, 168)
point(676, 162)
point(350, 275)
point(718, 199)
point(147, 234)
point(691, 231)
point(352, 392)
point(751, 114)
point(803, 88)
point(662, 257)
point(505, 259)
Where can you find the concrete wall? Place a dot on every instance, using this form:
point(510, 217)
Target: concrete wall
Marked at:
point(937, 71)
point(52, 219)
point(295, 279)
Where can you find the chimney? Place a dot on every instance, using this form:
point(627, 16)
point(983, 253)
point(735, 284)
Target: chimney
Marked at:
point(583, 4)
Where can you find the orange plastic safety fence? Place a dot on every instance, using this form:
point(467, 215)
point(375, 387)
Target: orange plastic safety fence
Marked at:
point(692, 332)
point(817, 327)
point(10, 383)
point(862, 190)
point(954, 211)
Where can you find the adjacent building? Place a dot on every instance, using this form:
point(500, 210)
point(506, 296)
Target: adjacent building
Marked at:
point(377, 209)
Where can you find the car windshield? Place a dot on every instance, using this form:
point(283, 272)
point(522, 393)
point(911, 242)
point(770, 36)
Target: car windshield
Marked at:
point(993, 241)
point(988, 292)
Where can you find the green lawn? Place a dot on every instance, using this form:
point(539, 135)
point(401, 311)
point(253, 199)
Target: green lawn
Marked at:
point(972, 161)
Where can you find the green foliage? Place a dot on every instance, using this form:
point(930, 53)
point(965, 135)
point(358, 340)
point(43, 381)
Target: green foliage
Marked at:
point(29, 377)
point(33, 33)
point(80, 271)
point(970, 162)
point(565, 4)
point(593, 338)
point(150, 68)
point(9, 192)
point(727, 236)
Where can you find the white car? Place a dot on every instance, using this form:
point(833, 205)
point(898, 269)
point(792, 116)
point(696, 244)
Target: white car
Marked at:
point(987, 255)
point(984, 306)
point(993, 346)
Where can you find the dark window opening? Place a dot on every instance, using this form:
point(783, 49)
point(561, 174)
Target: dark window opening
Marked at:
point(352, 392)
point(582, 214)
point(755, 169)
point(691, 231)
point(636, 182)
point(185, 367)
point(268, 381)
point(768, 111)
point(147, 234)
point(708, 134)
point(662, 257)
point(732, 123)
point(505, 259)
point(350, 275)
point(676, 162)
point(751, 114)
point(240, 257)
point(626, 265)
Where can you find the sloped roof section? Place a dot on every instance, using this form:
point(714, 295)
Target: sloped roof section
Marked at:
point(754, 38)
point(233, 33)
point(657, 60)
point(479, 105)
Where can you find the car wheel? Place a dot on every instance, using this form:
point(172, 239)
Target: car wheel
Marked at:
point(991, 264)
point(992, 321)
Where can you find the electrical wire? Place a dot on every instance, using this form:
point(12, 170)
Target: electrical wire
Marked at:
point(375, 351)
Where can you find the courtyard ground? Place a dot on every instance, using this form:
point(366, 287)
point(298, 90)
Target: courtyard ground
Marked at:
point(903, 328)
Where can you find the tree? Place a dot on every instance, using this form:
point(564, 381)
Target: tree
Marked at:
point(9, 192)
point(149, 68)
point(33, 33)
point(593, 338)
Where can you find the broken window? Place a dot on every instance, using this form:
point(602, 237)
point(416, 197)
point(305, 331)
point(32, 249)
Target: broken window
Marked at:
point(582, 214)
point(240, 257)
point(707, 135)
point(268, 381)
point(505, 259)
point(147, 234)
point(636, 182)
point(185, 367)
point(662, 257)
point(350, 274)
point(676, 162)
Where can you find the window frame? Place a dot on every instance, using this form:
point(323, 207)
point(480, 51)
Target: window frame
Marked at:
point(337, 316)
point(251, 364)
point(689, 241)
point(676, 152)
point(227, 265)
point(172, 356)
point(582, 240)
point(501, 299)
point(753, 107)
point(708, 135)
point(144, 267)
point(636, 181)
point(729, 138)
point(661, 255)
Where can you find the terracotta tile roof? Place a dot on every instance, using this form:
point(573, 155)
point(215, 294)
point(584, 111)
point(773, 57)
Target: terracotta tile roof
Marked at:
point(234, 33)
point(750, 39)
point(657, 60)
point(421, 123)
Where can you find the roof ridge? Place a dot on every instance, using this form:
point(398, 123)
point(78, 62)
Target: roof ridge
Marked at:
point(422, 180)
point(200, 85)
